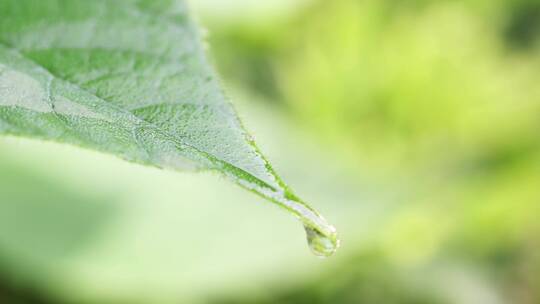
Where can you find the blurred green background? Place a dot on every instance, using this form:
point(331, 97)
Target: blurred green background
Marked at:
point(414, 126)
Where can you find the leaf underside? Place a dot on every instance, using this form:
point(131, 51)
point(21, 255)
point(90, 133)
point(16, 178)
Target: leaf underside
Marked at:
point(129, 78)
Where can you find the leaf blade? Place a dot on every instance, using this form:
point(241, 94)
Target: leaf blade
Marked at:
point(114, 76)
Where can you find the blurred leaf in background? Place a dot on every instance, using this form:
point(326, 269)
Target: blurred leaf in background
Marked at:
point(438, 98)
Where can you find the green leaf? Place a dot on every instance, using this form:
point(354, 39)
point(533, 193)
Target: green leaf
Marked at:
point(130, 78)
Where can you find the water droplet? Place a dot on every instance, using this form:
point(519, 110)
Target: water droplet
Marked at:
point(322, 245)
point(321, 236)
